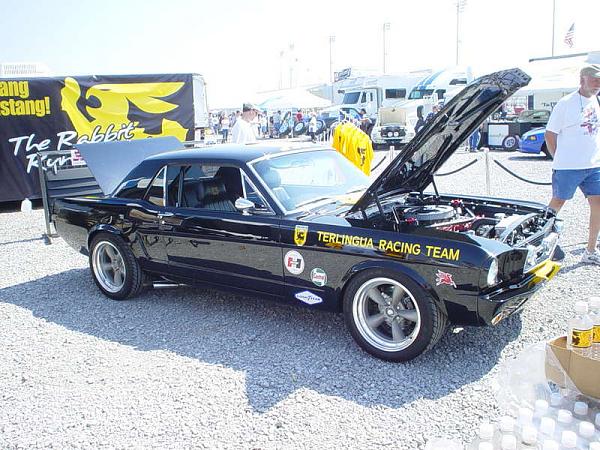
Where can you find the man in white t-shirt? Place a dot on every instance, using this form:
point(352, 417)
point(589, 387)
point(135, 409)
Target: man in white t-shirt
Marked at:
point(242, 131)
point(573, 139)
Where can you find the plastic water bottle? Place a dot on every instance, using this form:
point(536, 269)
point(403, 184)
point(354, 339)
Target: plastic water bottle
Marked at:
point(540, 410)
point(568, 439)
point(506, 427)
point(550, 444)
point(484, 435)
point(579, 338)
point(587, 434)
point(595, 316)
point(556, 402)
point(529, 438)
point(26, 206)
point(525, 418)
point(580, 410)
point(508, 442)
point(547, 427)
point(564, 422)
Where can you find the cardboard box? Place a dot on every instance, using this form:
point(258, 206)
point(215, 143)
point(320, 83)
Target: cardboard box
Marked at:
point(583, 372)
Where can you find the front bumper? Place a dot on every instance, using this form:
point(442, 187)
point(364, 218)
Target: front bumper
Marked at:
point(499, 304)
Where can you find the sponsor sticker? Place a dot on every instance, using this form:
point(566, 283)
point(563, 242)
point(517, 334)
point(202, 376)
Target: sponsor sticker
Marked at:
point(294, 262)
point(308, 297)
point(444, 278)
point(318, 276)
point(300, 234)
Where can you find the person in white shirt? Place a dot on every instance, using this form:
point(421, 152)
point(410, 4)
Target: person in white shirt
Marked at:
point(573, 139)
point(243, 131)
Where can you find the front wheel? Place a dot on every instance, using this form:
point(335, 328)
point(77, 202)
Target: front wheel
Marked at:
point(510, 143)
point(114, 267)
point(390, 316)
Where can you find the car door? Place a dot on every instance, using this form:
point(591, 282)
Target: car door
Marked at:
point(224, 246)
point(148, 214)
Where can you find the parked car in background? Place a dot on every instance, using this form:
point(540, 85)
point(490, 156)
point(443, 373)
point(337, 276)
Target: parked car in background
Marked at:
point(533, 142)
point(391, 128)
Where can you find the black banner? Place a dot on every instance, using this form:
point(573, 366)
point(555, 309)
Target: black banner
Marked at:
point(56, 113)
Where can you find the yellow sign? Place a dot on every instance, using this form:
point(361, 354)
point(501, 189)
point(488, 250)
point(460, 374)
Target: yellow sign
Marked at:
point(114, 102)
point(300, 234)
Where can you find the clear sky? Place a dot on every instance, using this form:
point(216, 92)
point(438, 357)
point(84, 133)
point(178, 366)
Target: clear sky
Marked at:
point(244, 46)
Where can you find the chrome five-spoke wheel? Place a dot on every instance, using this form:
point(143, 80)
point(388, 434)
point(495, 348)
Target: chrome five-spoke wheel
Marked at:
point(391, 316)
point(386, 314)
point(109, 267)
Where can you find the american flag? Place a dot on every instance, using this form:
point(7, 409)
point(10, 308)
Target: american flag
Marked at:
point(570, 36)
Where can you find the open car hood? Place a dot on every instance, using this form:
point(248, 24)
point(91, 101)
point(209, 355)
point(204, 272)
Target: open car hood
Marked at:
point(110, 162)
point(413, 169)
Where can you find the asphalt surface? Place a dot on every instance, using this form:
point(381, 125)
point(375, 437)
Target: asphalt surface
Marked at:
point(199, 368)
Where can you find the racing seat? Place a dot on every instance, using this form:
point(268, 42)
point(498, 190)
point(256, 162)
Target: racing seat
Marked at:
point(212, 195)
point(273, 180)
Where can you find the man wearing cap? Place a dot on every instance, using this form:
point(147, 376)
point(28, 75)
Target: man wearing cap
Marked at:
point(573, 140)
point(243, 129)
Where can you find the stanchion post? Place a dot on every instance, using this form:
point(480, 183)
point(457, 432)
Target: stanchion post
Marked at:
point(391, 153)
point(486, 152)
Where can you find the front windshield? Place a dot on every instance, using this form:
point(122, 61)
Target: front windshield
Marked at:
point(301, 179)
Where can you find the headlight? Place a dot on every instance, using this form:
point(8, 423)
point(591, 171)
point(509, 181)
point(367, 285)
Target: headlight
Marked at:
point(396, 134)
point(531, 257)
point(492, 277)
point(532, 138)
point(390, 134)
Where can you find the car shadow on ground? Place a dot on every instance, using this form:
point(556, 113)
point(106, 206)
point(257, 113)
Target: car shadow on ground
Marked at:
point(281, 348)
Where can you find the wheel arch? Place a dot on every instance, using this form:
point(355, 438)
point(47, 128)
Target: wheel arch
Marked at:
point(102, 228)
point(393, 267)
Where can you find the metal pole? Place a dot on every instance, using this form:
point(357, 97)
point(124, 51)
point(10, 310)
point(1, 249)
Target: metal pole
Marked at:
point(486, 152)
point(386, 26)
point(331, 41)
point(457, 19)
point(553, 23)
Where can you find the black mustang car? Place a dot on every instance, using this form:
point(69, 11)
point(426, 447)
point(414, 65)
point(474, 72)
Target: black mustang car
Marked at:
point(304, 225)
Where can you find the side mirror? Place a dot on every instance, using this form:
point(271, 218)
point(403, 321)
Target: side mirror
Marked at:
point(243, 205)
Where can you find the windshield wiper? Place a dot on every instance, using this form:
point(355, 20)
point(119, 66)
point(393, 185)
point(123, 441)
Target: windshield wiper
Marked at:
point(356, 189)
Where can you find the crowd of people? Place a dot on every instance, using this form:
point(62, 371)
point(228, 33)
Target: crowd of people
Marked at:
point(260, 123)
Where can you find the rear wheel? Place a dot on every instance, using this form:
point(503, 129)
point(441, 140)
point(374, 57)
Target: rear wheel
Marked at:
point(114, 267)
point(390, 316)
point(510, 143)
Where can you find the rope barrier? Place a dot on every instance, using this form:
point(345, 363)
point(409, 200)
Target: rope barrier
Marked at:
point(539, 183)
point(457, 170)
point(378, 164)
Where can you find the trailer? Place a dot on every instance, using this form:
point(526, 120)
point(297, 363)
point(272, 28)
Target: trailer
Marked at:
point(50, 115)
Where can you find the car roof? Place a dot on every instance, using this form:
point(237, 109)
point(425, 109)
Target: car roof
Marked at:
point(236, 152)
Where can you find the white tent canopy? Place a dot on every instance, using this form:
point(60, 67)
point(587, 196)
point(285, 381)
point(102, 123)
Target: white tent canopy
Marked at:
point(293, 98)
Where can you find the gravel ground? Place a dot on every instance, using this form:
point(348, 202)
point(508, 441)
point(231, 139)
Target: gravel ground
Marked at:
point(193, 368)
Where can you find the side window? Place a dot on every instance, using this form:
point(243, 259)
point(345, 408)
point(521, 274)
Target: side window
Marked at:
point(363, 98)
point(156, 191)
point(395, 93)
point(210, 186)
point(173, 179)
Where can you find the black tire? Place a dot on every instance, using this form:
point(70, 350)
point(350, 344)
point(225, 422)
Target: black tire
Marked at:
point(510, 143)
point(284, 129)
point(546, 153)
point(412, 301)
point(320, 127)
point(134, 280)
point(300, 128)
